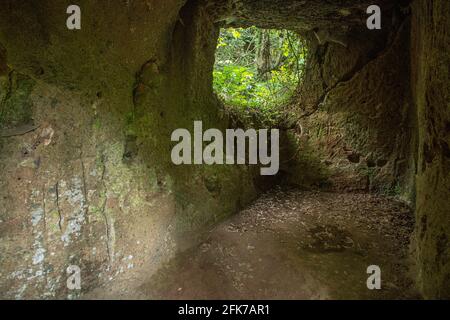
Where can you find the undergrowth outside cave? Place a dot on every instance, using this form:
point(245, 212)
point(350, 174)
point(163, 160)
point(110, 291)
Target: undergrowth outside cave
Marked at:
point(256, 71)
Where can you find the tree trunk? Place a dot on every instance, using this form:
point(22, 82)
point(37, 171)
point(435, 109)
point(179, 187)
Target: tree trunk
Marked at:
point(263, 59)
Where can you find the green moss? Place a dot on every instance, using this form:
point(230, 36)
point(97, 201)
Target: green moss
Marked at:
point(54, 227)
point(16, 106)
point(97, 124)
point(394, 190)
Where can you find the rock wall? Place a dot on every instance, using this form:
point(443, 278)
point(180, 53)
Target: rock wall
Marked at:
point(378, 112)
point(355, 105)
point(431, 87)
point(86, 117)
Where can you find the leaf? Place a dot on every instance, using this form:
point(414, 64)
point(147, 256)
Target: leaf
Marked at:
point(236, 34)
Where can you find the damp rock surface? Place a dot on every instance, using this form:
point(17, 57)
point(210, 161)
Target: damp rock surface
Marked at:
point(85, 171)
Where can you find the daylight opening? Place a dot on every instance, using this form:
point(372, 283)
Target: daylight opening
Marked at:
point(258, 68)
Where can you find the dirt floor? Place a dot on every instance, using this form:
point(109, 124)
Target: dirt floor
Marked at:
point(290, 244)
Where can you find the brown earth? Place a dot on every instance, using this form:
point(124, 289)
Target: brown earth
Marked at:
point(289, 244)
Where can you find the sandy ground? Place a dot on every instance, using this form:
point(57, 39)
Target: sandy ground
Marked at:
point(289, 244)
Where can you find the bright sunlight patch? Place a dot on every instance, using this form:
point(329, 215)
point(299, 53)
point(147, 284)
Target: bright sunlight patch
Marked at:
point(257, 68)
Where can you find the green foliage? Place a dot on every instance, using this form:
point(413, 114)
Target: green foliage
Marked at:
point(237, 80)
point(15, 105)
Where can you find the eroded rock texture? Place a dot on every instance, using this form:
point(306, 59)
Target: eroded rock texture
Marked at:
point(299, 15)
point(86, 118)
point(431, 86)
point(68, 195)
point(356, 104)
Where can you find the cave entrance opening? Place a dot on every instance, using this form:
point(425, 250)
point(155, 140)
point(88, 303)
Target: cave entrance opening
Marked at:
point(258, 70)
